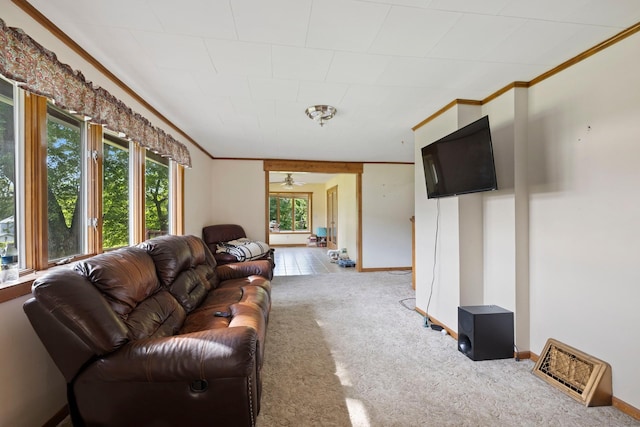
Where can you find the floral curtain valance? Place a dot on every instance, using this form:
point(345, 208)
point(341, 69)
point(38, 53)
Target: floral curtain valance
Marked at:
point(38, 70)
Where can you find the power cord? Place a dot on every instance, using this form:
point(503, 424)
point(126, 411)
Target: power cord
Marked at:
point(433, 271)
point(402, 303)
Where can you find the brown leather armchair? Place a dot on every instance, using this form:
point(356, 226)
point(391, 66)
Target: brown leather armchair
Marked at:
point(220, 233)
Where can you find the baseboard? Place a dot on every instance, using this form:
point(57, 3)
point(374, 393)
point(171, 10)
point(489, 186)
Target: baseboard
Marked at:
point(370, 270)
point(58, 417)
point(626, 408)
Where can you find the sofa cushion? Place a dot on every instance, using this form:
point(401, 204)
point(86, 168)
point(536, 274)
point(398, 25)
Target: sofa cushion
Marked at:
point(158, 316)
point(189, 289)
point(171, 255)
point(125, 277)
point(80, 307)
point(184, 267)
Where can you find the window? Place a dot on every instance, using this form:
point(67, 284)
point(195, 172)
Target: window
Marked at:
point(55, 189)
point(115, 193)
point(8, 217)
point(290, 211)
point(64, 184)
point(156, 179)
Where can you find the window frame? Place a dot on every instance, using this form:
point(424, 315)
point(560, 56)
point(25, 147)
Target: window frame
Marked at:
point(14, 102)
point(31, 142)
point(293, 195)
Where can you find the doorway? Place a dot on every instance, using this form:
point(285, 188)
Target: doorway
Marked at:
point(324, 167)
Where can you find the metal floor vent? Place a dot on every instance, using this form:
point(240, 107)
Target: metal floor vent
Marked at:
point(583, 377)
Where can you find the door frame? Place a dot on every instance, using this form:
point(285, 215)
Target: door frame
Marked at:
point(318, 167)
point(331, 209)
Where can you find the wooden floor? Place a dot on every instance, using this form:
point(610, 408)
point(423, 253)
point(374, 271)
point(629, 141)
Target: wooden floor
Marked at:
point(304, 260)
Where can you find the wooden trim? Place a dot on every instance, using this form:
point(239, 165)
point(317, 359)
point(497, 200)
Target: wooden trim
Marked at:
point(505, 89)
point(624, 407)
point(75, 47)
point(138, 193)
point(359, 262)
point(435, 321)
point(58, 417)
point(312, 166)
point(263, 159)
point(374, 269)
point(266, 208)
point(413, 252)
point(35, 153)
point(321, 167)
point(445, 108)
point(177, 201)
point(519, 84)
point(94, 191)
point(15, 291)
point(523, 355)
point(587, 53)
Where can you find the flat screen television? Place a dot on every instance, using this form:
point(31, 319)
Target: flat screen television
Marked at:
point(461, 162)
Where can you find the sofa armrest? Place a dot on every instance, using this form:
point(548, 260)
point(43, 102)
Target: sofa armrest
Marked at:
point(238, 270)
point(217, 353)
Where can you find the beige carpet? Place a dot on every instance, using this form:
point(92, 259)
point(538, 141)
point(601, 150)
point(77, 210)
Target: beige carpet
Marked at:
point(343, 351)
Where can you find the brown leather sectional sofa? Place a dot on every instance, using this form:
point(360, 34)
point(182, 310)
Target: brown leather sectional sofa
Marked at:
point(157, 335)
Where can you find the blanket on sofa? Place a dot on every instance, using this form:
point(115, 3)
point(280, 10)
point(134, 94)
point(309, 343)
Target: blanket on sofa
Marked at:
point(244, 249)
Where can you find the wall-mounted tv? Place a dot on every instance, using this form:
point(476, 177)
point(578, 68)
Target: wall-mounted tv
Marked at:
point(461, 162)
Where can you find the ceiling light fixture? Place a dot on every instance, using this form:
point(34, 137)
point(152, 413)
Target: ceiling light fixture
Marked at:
point(321, 113)
point(288, 182)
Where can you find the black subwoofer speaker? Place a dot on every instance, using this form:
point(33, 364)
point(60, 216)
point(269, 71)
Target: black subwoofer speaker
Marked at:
point(485, 332)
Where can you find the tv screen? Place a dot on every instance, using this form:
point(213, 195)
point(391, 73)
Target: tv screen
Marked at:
point(461, 162)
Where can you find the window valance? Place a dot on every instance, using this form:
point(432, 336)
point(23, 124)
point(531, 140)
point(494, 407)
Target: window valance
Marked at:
point(39, 71)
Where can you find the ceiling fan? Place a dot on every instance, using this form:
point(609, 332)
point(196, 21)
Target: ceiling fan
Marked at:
point(288, 182)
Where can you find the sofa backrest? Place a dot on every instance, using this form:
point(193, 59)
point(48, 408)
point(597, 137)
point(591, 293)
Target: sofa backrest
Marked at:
point(127, 279)
point(184, 266)
point(101, 303)
point(214, 234)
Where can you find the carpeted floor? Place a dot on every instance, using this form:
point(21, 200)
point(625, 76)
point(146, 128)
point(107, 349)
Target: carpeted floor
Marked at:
point(343, 351)
point(349, 350)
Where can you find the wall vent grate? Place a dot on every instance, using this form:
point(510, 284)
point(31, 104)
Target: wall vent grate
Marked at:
point(579, 375)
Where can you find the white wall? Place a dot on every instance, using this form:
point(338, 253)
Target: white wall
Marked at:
point(33, 389)
point(585, 211)
point(198, 202)
point(561, 237)
point(347, 212)
point(387, 205)
point(457, 258)
point(237, 191)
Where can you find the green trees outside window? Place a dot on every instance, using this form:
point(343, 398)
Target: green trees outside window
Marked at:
point(156, 180)
point(290, 210)
point(115, 193)
point(65, 187)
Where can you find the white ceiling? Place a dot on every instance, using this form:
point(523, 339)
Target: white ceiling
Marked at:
point(237, 75)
